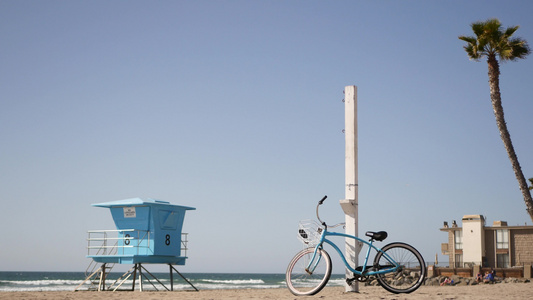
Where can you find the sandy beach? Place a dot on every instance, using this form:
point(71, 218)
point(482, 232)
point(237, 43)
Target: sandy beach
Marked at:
point(492, 291)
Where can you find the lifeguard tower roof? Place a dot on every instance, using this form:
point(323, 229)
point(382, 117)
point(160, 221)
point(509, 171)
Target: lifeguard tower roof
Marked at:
point(139, 201)
point(147, 231)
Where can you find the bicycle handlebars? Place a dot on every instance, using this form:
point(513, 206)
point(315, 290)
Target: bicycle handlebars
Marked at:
point(318, 217)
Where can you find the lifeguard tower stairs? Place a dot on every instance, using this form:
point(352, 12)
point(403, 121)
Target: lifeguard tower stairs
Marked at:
point(147, 232)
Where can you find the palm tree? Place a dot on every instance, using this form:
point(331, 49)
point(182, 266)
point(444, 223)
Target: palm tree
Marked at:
point(492, 42)
point(531, 182)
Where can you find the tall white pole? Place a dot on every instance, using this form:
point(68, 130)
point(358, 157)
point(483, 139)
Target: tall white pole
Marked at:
point(349, 204)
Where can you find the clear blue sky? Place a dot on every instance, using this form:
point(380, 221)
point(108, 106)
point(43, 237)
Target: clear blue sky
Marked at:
point(234, 107)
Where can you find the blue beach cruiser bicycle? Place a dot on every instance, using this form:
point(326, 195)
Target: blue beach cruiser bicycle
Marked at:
point(398, 267)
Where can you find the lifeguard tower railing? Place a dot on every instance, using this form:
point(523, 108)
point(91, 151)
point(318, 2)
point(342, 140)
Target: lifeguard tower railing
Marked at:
point(124, 241)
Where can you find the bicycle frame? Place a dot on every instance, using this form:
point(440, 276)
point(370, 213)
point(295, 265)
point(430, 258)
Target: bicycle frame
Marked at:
point(311, 266)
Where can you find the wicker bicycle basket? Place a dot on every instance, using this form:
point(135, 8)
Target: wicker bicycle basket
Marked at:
point(309, 232)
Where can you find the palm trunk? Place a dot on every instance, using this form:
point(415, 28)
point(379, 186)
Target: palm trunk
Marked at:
point(494, 82)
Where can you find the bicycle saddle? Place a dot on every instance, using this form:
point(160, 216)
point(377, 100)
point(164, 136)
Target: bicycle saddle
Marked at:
point(378, 236)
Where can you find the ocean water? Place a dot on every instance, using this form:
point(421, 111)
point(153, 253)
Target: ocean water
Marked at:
point(68, 281)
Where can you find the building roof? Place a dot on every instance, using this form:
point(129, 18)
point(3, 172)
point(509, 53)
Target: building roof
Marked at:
point(473, 217)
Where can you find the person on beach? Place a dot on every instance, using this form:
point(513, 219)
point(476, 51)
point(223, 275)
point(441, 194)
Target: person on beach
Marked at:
point(479, 277)
point(489, 277)
point(447, 281)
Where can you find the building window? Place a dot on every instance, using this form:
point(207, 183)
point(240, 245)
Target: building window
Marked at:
point(502, 239)
point(458, 260)
point(502, 260)
point(458, 240)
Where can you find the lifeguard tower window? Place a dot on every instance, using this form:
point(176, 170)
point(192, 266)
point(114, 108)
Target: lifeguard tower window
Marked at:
point(168, 219)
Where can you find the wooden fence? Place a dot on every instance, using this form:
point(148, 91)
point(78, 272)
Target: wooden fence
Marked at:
point(516, 272)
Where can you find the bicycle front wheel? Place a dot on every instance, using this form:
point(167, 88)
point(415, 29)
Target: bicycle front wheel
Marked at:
point(300, 280)
point(411, 273)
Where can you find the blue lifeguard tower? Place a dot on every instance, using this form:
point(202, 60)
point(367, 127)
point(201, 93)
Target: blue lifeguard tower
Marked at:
point(147, 231)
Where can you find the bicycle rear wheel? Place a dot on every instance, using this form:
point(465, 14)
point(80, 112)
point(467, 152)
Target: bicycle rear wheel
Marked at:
point(409, 276)
point(302, 282)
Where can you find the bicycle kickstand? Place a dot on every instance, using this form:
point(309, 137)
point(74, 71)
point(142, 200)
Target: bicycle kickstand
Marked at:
point(349, 281)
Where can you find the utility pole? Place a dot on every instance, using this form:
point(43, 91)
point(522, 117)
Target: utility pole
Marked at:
point(349, 204)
